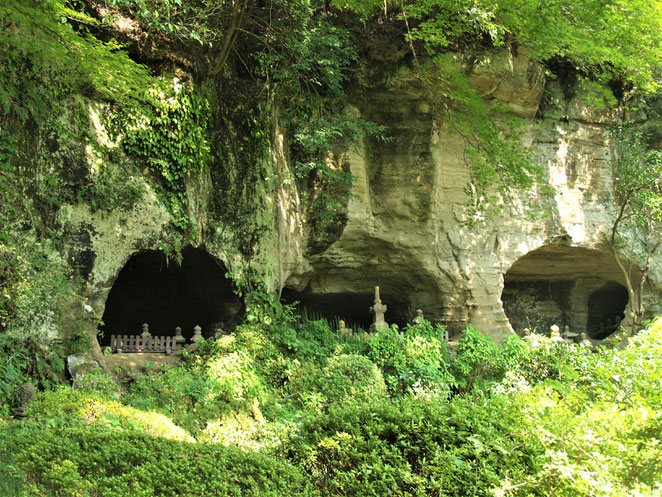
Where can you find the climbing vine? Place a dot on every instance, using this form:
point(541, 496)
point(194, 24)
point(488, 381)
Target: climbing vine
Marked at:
point(171, 137)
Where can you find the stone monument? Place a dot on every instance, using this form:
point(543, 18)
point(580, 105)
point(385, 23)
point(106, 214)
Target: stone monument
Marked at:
point(25, 396)
point(419, 317)
point(378, 310)
point(584, 340)
point(343, 329)
point(146, 332)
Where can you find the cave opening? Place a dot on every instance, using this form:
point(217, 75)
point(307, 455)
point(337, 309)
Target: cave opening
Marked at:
point(152, 289)
point(567, 286)
point(353, 308)
point(606, 310)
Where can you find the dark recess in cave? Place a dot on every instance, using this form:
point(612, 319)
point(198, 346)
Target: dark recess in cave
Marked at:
point(152, 289)
point(353, 308)
point(606, 309)
point(536, 304)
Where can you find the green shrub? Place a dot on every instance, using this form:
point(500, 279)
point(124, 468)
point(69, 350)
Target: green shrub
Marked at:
point(412, 447)
point(598, 416)
point(99, 382)
point(232, 376)
point(91, 460)
point(477, 359)
point(75, 408)
point(179, 393)
point(415, 361)
point(350, 378)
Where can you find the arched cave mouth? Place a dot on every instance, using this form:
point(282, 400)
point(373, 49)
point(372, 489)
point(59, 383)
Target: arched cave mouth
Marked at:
point(567, 286)
point(152, 289)
point(353, 308)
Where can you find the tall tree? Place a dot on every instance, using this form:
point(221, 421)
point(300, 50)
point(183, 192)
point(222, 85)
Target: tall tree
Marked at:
point(637, 171)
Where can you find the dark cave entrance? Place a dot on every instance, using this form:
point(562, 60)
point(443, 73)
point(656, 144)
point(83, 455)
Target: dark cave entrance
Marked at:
point(537, 304)
point(151, 289)
point(606, 310)
point(353, 308)
point(566, 286)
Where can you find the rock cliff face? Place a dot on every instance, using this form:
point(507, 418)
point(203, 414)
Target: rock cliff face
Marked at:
point(406, 228)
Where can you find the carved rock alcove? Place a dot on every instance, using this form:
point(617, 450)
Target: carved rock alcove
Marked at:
point(567, 286)
point(353, 308)
point(155, 290)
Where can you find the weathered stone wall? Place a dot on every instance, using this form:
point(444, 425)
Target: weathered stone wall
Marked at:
point(406, 225)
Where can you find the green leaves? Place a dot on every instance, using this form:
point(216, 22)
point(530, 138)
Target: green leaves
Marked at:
point(170, 135)
point(44, 58)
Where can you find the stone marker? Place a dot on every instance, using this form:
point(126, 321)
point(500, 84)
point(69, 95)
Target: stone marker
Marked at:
point(25, 396)
point(343, 329)
point(179, 339)
point(377, 310)
point(419, 317)
point(146, 332)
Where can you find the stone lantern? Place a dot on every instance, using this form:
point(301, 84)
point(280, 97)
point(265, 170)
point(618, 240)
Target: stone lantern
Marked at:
point(197, 334)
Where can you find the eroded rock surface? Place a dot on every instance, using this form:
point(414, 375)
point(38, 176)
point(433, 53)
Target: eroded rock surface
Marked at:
point(406, 229)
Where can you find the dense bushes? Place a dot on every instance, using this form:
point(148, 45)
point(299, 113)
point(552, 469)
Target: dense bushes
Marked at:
point(387, 414)
point(415, 447)
point(69, 460)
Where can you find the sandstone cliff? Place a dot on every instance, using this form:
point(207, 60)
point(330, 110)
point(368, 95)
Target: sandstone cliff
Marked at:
point(406, 226)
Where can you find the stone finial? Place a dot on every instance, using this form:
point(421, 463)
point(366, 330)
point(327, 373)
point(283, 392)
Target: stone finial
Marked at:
point(419, 317)
point(146, 332)
point(342, 328)
point(178, 336)
point(25, 396)
point(197, 334)
point(378, 310)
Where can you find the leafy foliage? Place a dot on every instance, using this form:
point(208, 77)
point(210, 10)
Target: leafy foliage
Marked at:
point(527, 417)
point(37, 73)
point(414, 447)
point(89, 447)
point(414, 362)
point(171, 137)
point(637, 172)
point(615, 43)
